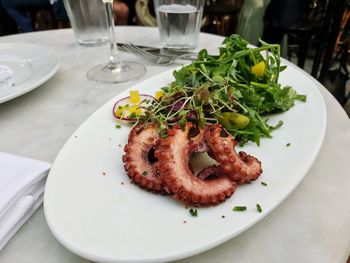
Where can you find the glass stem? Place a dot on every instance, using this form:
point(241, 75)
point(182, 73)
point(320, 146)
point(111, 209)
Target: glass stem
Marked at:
point(114, 60)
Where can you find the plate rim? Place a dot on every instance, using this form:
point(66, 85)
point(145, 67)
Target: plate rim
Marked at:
point(39, 80)
point(191, 252)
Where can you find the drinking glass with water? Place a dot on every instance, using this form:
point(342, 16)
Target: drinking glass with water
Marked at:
point(89, 22)
point(179, 22)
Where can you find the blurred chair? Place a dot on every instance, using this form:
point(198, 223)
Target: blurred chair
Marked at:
point(344, 28)
point(293, 24)
point(334, 73)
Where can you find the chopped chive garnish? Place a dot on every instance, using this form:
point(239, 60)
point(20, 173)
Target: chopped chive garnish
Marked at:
point(264, 184)
point(288, 144)
point(258, 207)
point(144, 173)
point(239, 208)
point(193, 212)
point(118, 126)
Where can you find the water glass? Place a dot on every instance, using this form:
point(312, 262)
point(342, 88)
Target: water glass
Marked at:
point(89, 21)
point(179, 22)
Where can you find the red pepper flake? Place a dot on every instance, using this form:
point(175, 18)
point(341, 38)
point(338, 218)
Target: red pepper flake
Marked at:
point(119, 145)
point(122, 183)
point(103, 173)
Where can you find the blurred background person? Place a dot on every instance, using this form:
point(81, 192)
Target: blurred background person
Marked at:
point(59, 11)
point(250, 25)
point(17, 9)
point(121, 13)
point(31, 15)
point(7, 25)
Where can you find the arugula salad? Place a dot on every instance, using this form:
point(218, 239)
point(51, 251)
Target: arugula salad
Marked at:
point(236, 88)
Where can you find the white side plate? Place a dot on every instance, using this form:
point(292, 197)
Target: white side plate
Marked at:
point(32, 65)
point(93, 209)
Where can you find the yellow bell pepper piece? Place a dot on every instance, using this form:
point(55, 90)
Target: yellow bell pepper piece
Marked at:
point(136, 110)
point(120, 111)
point(134, 96)
point(259, 69)
point(233, 120)
point(159, 94)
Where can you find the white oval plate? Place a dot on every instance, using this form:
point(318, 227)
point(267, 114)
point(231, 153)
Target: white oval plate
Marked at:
point(93, 209)
point(32, 65)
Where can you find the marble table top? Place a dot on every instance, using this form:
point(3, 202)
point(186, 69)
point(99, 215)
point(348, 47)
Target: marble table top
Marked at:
point(311, 225)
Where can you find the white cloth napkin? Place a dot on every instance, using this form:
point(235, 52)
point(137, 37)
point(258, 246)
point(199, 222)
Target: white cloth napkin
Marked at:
point(22, 182)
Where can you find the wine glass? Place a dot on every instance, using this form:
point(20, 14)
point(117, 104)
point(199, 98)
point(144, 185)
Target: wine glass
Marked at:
point(115, 71)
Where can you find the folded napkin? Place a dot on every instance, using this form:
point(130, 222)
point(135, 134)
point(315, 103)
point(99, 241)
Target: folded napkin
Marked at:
point(22, 182)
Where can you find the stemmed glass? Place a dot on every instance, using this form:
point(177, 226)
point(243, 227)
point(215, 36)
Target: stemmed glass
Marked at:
point(115, 71)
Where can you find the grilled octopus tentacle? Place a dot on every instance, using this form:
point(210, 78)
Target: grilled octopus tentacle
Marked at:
point(240, 167)
point(138, 160)
point(173, 154)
